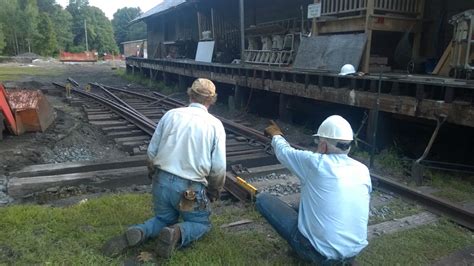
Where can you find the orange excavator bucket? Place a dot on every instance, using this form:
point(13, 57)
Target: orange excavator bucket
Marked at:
point(31, 110)
point(7, 112)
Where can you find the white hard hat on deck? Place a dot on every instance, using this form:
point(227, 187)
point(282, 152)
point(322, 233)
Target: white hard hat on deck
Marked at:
point(335, 127)
point(347, 69)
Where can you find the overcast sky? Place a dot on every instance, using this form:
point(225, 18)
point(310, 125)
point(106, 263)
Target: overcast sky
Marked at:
point(109, 7)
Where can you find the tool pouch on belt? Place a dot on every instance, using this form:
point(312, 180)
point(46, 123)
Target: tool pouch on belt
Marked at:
point(188, 200)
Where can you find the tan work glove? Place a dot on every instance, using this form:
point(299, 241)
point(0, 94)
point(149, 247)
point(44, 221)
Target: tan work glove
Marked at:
point(272, 130)
point(151, 169)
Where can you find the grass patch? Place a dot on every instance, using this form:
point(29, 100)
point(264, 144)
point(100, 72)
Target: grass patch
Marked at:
point(452, 187)
point(389, 159)
point(419, 246)
point(11, 73)
point(32, 234)
point(386, 161)
point(144, 81)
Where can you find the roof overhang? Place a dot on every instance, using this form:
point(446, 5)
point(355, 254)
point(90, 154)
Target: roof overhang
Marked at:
point(163, 7)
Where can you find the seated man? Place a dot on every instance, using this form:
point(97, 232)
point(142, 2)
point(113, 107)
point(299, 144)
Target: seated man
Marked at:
point(331, 225)
point(187, 164)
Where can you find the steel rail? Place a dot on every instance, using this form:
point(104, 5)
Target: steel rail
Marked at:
point(228, 124)
point(122, 102)
point(454, 212)
point(146, 125)
point(439, 206)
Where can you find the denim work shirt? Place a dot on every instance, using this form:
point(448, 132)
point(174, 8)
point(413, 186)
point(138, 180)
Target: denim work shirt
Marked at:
point(335, 196)
point(190, 143)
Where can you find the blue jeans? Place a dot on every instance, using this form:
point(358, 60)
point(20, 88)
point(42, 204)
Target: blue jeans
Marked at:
point(284, 220)
point(167, 192)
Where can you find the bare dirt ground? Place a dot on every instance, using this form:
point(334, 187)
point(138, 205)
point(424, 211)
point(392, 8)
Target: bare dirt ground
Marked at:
point(70, 137)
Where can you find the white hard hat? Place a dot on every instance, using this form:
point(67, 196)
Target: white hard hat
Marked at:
point(347, 69)
point(335, 127)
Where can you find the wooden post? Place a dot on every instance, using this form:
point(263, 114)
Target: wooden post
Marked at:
point(181, 82)
point(314, 28)
point(212, 25)
point(199, 25)
point(368, 32)
point(150, 80)
point(283, 112)
point(418, 29)
point(242, 29)
point(165, 78)
point(238, 97)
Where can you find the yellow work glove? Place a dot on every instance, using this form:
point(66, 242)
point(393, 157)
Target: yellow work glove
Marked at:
point(273, 129)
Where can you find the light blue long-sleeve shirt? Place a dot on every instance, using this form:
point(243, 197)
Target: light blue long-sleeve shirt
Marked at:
point(190, 143)
point(335, 196)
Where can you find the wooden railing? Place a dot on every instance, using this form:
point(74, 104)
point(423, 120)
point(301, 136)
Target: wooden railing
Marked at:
point(336, 7)
point(398, 6)
point(345, 7)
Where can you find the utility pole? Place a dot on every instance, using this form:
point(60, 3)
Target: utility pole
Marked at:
point(85, 31)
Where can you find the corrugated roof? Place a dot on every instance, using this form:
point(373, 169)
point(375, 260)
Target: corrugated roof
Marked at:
point(165, 5)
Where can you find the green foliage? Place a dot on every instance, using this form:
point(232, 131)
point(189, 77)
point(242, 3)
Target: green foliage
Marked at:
point(44, 27)
point(100, 34)
point(125, 32)
point(452, 186)
point(26, 27)
point(62, 23)
point(28, 17)
point(45, 43)
point(2, 39)
point(152, 84)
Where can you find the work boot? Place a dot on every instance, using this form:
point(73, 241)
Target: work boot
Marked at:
point(168, 239)
point(117, 245)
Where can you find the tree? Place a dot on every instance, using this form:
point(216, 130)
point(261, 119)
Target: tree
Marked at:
point(45, 43)
point(29, 21)
point(62, 23)
point(99, 28)
point(2, 39)
point(10, 18)
point(101, 31)
point(47, 6)
point(122, 28)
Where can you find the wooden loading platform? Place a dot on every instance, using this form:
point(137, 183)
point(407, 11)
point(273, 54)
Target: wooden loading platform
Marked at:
point(419, 96)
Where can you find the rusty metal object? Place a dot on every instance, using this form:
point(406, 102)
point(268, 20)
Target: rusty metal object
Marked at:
point(2, 126)
point(31, 110)
point(78, 57)
point(418, 169)
point(6, 110)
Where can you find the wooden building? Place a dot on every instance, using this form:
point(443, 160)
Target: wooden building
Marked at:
point(399, 32)
point(402, 33)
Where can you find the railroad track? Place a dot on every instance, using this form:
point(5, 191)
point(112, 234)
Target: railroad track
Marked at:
point(131, 117)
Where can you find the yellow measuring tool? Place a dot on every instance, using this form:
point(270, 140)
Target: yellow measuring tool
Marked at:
point(247, 186)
